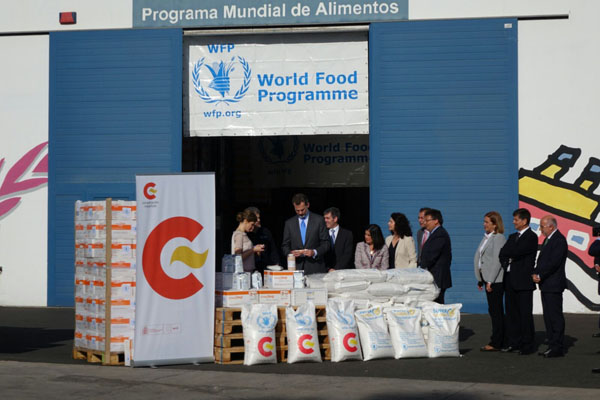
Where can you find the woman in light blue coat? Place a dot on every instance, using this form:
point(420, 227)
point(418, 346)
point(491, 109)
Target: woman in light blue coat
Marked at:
point(489, 274)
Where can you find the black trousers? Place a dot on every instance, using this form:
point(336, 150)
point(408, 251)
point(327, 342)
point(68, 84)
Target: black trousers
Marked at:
point(554, 320)
point(496, 311)
point(440, 298)
point(519, 317)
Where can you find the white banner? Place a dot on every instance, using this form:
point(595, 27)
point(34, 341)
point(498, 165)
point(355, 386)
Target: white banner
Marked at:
point(277, 85)
point(174, 314)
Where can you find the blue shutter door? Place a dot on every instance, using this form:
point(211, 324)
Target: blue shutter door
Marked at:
point(443, 134)
point(115, 111)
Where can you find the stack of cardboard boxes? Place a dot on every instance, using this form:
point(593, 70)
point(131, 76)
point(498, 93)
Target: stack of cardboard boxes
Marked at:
point(105, 254)
point(282, 288)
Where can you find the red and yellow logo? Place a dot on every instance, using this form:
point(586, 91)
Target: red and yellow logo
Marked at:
point(265, 346)
point(163, 284)
point(305, 344)
point(150, 191)
point(350, 342)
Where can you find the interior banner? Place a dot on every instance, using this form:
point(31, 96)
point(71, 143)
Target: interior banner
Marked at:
point(174, 314)
point(288, 84)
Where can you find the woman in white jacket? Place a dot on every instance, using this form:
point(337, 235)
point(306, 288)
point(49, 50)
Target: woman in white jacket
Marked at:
point(489, 274)
point(400, 243)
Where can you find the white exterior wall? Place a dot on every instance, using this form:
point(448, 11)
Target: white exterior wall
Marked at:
point(24, 116)
point(558, 86)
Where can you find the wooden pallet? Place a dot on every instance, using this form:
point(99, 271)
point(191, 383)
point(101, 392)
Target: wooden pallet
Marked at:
point(227, 327)
point(228, 314)
point(231, 355)
point(97, 356)
point(230, 340)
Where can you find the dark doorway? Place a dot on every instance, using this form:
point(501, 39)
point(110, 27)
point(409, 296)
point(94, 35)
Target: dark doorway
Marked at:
point(266, 172)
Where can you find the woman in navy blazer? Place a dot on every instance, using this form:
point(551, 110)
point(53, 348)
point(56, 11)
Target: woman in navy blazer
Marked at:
point(372, 253)
point(489, 274)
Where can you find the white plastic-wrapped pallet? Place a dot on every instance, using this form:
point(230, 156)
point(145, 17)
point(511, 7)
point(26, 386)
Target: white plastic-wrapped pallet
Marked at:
point(443, 322)
point(374, 336)
point(258, 323)
point(387, 289)
point(346, 286)
point(342, 330)
point(302, 334)
point(406, 333)
point(315, 281)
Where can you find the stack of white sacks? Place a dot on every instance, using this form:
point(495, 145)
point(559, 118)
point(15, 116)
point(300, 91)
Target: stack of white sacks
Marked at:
point(391, 313)
point(91, 261)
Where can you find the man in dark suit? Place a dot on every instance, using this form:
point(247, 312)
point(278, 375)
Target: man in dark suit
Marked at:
point(436, 253)
point(305, 236)
point(341, 252)
point(517, 257)
point(421, 235)
point(549, 274)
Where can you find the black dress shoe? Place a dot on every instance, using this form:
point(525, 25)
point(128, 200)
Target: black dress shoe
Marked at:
point(554, 354)
point(543, 353)
point(596, 370)
point(597, 334)
point(527, 352)
point(509, 349)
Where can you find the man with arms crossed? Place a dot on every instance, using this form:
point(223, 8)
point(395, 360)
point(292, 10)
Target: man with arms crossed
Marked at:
point(341, 252)
point(517, 257)
point(549, 274)
point(305, 236)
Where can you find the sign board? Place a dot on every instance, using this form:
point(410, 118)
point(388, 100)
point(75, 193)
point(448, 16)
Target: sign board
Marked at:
point(277, 85)
point(174, 314)
point(217, 13)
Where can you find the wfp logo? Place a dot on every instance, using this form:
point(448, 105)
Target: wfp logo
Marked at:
point(220, 84)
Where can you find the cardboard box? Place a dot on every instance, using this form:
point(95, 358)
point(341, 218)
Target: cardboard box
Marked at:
point(279, 279)
point(235, 298)
point(303, 296)
point(278, 297)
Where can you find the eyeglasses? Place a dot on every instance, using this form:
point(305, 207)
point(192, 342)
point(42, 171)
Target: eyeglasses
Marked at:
point(430, 219)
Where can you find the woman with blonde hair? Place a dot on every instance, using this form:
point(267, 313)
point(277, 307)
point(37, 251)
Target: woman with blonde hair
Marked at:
point(489, 275)
point(240, 242)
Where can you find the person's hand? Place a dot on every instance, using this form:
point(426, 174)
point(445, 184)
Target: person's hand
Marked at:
point(597, 267)
point(536, 278)
point(309, 252)
point(479, 286)
point(259, 248)
point(297, 253)
point(331, 269)
point(488, 287)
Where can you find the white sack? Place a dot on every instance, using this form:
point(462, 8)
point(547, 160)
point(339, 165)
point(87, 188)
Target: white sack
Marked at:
point(387, 289)
point(443, 322)
point(405, 329)
point(346, 286)
point(374, 337)
point(315, 281)
point(350, 275)
point(258, 322)
point(302, 334)
point(342, 330)
point(409, 275)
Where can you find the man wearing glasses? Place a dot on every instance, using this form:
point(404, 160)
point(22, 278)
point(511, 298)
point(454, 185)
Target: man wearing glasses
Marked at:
point(436, 252)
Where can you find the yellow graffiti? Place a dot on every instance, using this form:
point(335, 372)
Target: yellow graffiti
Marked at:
point(585, 185)
point(189, 257)
point(557, 197)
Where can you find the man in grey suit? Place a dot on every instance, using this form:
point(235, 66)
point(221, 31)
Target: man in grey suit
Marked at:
point(305, 236)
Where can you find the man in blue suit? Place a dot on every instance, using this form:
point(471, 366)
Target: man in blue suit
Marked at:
point(549, 274)
point(305, 236)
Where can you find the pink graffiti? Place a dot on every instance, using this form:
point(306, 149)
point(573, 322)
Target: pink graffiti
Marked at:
point(13, 181)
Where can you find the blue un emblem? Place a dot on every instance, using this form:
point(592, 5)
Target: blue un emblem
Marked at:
point(220, 85)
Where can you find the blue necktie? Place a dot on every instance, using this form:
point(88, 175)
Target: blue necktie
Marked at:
point(332, 238)
point(303, 230)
